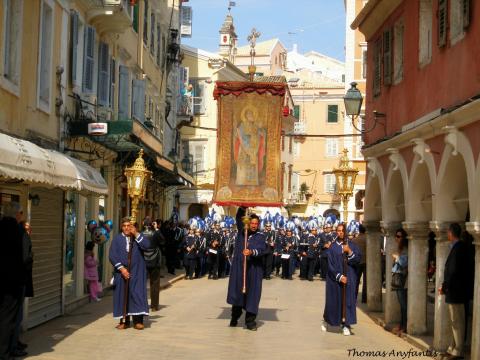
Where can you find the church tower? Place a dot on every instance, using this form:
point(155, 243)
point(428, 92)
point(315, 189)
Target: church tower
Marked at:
point(228, 38)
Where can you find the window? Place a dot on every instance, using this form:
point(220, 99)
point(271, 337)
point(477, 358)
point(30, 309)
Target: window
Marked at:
point(459, 19)
point(425, 32)
point(377, 63)
point(442, 22)
point(88, 59)
point(45, 55)
point(12, 37)
point(331, 148)
point(113, 74)
point(145, 23)
point(329, 183)
point(387, 56)
point(159, 44)
point(104, 85)
point(199, 106)
point(196, 151)
point(332, 114)
point(296, 111)
point(364, 63)
point(76, 54)
point(123, 92)
point(138, 99)
point(398, 52)
point(152, 34)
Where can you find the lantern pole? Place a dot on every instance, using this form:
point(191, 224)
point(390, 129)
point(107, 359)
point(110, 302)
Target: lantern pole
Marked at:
point(345, 178)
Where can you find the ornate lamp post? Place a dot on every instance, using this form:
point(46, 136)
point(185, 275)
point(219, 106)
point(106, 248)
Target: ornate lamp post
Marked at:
point(137, 176)
point(345, 178)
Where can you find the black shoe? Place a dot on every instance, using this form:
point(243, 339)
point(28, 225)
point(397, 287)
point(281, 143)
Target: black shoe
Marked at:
point(21, 345)
point(310, 279)
point(18, 353)
point(268, 278)
point(209, 276)
point(233, 323)
point(252, 327)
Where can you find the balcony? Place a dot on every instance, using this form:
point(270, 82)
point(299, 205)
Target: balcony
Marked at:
point(108, 16)
point(299, 198)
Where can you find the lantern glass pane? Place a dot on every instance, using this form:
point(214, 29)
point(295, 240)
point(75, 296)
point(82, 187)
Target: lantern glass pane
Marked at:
point(138, 183)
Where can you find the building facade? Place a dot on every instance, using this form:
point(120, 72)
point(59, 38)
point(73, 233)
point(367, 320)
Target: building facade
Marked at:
point(423, 155)
point(99, 90)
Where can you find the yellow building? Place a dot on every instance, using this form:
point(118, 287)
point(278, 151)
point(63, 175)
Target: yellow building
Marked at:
point(85, 85)
point(199, 137)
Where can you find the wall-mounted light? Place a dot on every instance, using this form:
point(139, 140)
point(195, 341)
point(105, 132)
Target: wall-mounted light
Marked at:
point(34, 198)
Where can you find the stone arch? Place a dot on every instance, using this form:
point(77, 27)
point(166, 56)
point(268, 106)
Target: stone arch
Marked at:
point(420, 185)
point(395, 189)
point(453, 189)
point(374, 191)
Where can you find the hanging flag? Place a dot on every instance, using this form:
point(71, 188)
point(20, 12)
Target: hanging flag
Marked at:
point(248, 169)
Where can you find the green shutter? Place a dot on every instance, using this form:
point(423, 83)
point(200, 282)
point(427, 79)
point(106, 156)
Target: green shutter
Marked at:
point(296, 111)
point(135, 17)
point(442, 22)
point(332, 113)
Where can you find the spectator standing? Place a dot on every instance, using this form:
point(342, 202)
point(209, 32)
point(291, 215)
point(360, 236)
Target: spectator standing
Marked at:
point(361, 241)
point(12, 290)
point(399, 277)
point(455, 287)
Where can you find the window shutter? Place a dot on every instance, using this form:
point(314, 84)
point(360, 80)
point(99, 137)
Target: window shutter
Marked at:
point(103, 78)
point(123, 91)
point(332, 113)
point(135, 17)
point(113, 74)
point(364, 64)
point(387, 56)
point(138, 99)
point(199, 98)
point(159, 44)
point(89, 61)
point(152, 33)
point(74, 41)
point(296, 111)
point(442, 22)
point(145, 23)
point(466, 5)
point(377, 77)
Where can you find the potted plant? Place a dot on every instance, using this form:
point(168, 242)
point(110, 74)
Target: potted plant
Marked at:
point(305, 191)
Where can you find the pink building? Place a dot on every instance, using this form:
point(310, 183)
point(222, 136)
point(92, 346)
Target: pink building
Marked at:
point(423, 81)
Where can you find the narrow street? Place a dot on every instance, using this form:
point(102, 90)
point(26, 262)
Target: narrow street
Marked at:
point(193, 324)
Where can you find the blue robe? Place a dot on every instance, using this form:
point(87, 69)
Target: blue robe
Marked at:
point(333, 302)
point(257, 243)
point(137, 298)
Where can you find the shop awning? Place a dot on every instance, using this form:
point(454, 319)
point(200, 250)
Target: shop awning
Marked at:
point(23, 160)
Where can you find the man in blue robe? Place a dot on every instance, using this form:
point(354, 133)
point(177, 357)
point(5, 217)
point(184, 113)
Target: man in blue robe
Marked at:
point(256, 247)
point(137, 304)
point(342, 259)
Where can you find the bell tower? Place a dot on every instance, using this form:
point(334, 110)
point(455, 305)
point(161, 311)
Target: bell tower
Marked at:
point(228, 38)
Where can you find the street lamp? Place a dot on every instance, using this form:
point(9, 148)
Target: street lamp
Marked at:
point(353, 101)
point(137, 176)
point(345, 179)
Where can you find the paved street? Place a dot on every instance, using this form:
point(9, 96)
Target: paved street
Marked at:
point(193, 324)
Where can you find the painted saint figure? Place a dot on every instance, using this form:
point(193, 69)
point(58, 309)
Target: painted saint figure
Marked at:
point(249, 149)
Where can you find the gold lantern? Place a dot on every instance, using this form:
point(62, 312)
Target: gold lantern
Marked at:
point(345, 177)
point(137, 177)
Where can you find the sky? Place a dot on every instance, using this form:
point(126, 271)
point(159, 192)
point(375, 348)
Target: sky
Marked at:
point(317, 25)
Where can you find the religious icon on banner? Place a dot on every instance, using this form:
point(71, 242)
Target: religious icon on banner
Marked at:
point(248, 168)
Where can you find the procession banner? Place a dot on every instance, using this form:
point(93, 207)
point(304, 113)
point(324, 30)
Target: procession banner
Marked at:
point(248, 170)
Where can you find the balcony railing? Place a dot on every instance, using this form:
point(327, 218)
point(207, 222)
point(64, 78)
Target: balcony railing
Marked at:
point(298, 198)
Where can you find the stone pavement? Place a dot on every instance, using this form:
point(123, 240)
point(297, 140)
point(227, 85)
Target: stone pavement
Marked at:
point(193, 324)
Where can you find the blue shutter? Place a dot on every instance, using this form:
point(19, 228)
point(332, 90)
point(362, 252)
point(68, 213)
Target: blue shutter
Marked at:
point(74, 41)
point(123, 90)
point(89, 61)
point(103, 74)
point(138, 99)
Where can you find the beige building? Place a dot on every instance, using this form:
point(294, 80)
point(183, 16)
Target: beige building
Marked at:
point(199, 137)
point(320, 136)
point(270, 58)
